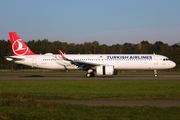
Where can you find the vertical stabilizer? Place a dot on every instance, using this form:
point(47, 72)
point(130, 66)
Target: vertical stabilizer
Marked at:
point(18, 45)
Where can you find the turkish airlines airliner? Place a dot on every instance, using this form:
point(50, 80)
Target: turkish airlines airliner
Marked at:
point(102, 64)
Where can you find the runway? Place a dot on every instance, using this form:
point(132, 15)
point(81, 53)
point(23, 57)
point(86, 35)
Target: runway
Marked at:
point(36, 77)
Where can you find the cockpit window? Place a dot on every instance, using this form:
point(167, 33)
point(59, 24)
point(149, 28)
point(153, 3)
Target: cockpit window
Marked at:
point(165, 59)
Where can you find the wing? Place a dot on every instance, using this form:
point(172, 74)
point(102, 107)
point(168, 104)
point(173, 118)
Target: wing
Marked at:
point(81, 64)
point(84, 65)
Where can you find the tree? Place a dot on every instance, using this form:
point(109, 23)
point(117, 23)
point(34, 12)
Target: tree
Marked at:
point(129, 48)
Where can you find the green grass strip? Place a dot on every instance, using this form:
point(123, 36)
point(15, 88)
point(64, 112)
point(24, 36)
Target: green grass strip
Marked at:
point(30, 109)
point(91, 89)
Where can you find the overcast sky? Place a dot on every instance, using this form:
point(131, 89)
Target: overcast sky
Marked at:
point(78, 21)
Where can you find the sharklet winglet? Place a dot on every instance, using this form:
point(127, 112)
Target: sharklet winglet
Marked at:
point(61, 53)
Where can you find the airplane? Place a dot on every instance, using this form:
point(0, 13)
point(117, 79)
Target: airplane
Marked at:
point(102, 64)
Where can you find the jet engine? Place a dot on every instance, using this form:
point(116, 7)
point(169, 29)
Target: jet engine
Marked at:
point(106, 70)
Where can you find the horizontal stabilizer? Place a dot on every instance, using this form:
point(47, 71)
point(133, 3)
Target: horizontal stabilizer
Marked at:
point(13, 58)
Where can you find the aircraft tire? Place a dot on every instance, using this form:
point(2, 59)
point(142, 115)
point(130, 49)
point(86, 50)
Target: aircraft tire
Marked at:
point(155, 75)
point(92, 74)
point(88, 75)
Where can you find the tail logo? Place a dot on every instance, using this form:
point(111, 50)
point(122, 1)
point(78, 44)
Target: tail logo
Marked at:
point(18, 47)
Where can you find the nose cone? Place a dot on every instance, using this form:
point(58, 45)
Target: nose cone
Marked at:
point(173, 64)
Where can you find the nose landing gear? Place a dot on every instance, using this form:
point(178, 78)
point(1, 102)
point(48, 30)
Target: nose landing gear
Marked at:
point(155, 73)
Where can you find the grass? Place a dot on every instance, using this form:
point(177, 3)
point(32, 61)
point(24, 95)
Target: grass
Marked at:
point(92, 89)
point(28, 110)
point(21, 99)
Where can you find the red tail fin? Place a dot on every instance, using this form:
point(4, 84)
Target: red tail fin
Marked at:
point(18, 45)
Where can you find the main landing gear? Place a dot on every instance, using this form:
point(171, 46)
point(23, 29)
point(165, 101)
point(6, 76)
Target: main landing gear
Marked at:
point(155, 73)
point(90, 73)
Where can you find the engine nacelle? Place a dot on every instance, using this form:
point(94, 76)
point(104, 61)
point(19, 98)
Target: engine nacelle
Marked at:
point(106, 70)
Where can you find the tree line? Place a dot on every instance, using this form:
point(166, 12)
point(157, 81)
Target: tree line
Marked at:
point(45, 46)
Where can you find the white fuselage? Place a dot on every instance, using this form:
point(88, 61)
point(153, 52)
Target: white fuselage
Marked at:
point(119, 61)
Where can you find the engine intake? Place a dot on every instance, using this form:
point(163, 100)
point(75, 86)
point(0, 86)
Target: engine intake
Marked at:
point(106, 70)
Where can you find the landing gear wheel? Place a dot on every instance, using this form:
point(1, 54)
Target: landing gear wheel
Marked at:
point(92, 74)
point(88, 75)
point(155, 73)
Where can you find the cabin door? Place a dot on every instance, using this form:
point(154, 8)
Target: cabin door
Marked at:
point(155, 60)
point(34, 62)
